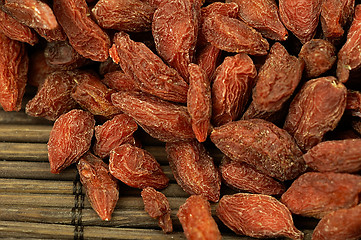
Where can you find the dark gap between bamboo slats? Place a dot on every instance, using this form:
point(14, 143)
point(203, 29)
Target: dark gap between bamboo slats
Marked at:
point(26, 230)
point(34, 170)
point(23, 151)
point(24, 133)
point(36, 186)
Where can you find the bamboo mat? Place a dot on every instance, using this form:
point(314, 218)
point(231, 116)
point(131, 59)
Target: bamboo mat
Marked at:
point(36, 204)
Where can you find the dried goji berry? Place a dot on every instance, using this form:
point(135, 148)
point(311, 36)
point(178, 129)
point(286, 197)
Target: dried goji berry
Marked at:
point(196, 219)
point(113, 133)
point(335, 14)
point(86, 37)
point(124, 15)
point(348, 57)
point(257, 215)
point(243, 177)
point(136, 167)
point(241, 38)
point(53, 97)
point(14, 63)
point(161, 119)
point(335, 156)
point(70, 138)
point(319, 56)
point(193, 169)
point(232, 85)
point(175, 28)
point(149, 72)
point(15, 30)
point(263, 16)
point(340, 224)
point(316, 109)
point(100, 186)
point(33, 13)
point(199, 102)
point(276, 81)
point(316, 194)
point(262, 145)
point(93, 95)
point(157, 206)
point(300, 17)
point(119, 81)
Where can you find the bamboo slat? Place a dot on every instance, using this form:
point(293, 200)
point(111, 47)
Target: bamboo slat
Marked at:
point(33, 170)
point(24, 133)
point(23, 151)
point(15, 185)
point(20, 118)
point(37, 200)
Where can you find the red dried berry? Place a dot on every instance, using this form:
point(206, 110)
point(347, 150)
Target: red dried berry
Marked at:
point(100, 186)
point(196, 219)
point(193, 169)
point(243, 177)
point(157, 206)
point(257, 215)
point(70, 138)
point(136, 167)
point(163, 120)
point(262, 145)
point(113, 133)
point(317, 194)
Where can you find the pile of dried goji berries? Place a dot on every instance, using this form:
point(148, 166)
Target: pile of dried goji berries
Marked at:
point(265, 81)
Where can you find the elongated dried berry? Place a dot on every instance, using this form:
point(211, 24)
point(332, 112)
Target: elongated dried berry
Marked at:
point(208, 58)
point(14, 63)
point(300, 17)
point(119, 81)
point(100, 186)
point(275, 83)
point(163, 120)
point(15, 30)
point(335, 14)
point(340, 224)
point(38, 68)
point(199, 102)
point(262, 145)
point(149, 72)
point(124, 15)
point(232, 85)
point(113, 133)
point(56, 34)
point(157, 206)
point(348, 58)
point(86, 37)
point(257, 215)
point(241, 38)
point(335, 156)
point(243, 177)
point(33, 13)
point(319, 56)
point(196, 219)
point(70, 138)
point(193, 169)
point(175, 28)
point(315, 110)
point(136, 167)
point(225, 9)
point(93, 95)
point(263, 16)
point(317, 194)
point(53, 98)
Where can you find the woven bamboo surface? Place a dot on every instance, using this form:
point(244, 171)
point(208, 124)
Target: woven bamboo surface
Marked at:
point(36, 204)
